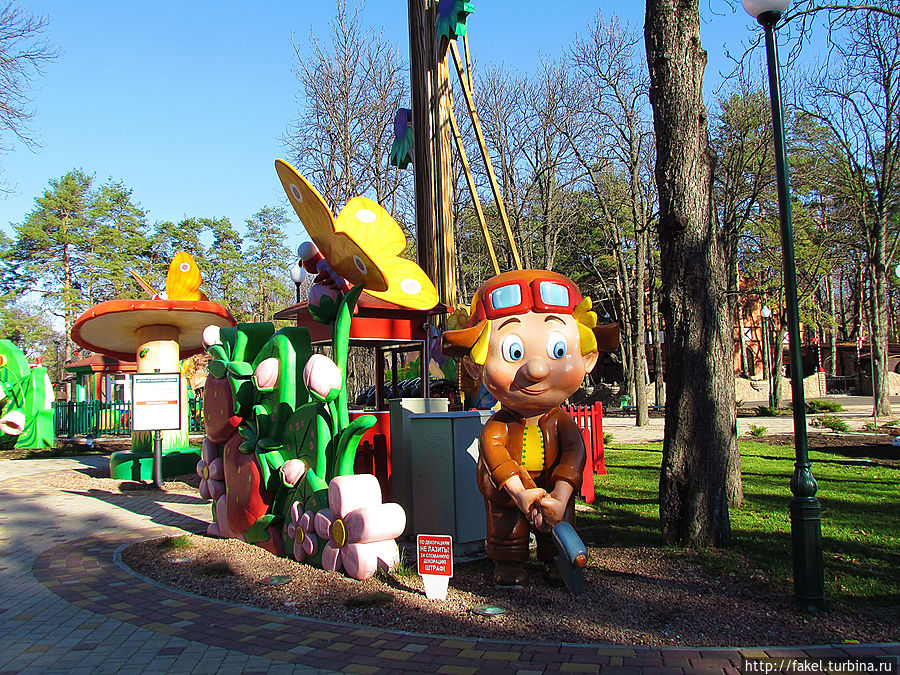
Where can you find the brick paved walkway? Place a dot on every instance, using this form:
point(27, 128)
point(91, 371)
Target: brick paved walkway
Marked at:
point(68, 606)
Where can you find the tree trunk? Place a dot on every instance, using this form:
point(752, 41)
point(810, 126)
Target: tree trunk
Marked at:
point(878, 307)
point(832, 347)
point(639, 350)
point(659, 387)
point(626, 348)
point(700, 408)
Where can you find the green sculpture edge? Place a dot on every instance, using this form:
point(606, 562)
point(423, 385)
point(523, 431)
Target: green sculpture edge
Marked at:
point(130, 465)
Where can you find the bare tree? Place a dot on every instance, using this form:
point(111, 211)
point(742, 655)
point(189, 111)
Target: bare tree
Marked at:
point(744, 176)
point(350, 89)
point(857, 97)
point(534, 162)
point(23, 54)
point(611, 136)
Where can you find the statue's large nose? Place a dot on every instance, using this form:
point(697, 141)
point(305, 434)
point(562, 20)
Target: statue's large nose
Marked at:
point(535, 369)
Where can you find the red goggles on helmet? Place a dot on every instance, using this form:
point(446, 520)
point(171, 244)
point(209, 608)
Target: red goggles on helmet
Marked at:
point(518, 297)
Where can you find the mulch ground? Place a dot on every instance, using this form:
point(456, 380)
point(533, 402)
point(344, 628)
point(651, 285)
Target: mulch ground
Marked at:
point(874, 447)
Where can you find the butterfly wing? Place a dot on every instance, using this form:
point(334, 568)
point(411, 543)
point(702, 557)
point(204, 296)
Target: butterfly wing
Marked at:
point(407, 285)
point(372, 238)
point(310, 207)
point(362, 245)
point(183, 279)
point(371, 227)
point(344, 255)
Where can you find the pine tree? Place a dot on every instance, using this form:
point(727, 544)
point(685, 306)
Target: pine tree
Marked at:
point(226, 279)
point(51, 249)
point(268, 258)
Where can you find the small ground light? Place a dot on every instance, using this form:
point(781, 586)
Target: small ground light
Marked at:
point(179, 561)
point(489, 610)
point(275, 580)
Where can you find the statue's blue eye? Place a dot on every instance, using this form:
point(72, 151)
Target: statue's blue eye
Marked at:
point(512, 348)
point(557, 346)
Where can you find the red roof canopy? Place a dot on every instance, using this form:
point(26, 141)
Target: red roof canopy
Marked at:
point(375, 322)
point(100, 363)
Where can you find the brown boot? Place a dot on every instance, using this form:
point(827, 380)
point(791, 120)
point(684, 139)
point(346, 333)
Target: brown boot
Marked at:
point(509, 575)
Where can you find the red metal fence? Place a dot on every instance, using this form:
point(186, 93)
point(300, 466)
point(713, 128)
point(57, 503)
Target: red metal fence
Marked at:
point(590, 420)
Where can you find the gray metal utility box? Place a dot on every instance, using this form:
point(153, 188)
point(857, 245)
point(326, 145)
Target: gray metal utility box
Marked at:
point(401, 447)
point(445, 496)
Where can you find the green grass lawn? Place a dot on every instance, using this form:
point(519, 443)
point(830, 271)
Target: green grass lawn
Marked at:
point(860, 516)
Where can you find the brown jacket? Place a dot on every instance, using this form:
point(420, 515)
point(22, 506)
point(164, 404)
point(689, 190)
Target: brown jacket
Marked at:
point(500, 453)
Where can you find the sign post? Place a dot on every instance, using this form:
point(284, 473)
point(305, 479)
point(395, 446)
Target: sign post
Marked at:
point(435, 556)
point(156, 406)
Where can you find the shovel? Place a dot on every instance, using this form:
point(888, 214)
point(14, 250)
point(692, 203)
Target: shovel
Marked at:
point(573, 555)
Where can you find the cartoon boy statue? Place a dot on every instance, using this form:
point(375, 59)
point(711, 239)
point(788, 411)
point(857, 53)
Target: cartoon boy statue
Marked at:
point(530, 341)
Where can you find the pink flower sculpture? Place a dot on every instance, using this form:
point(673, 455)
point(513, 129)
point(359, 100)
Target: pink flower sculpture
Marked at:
point(12, 423)
point(220, 527)
point(322, 377)
point(359, 528)
point(211, 472)
point(302, 530)
point(266, 374)
point(292, 471)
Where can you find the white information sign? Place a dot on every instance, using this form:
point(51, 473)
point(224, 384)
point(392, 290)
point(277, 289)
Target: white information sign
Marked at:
point(156, 401)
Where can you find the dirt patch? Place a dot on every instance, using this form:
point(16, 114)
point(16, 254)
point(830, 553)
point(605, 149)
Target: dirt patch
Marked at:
point(874, 447)
point(649, 596)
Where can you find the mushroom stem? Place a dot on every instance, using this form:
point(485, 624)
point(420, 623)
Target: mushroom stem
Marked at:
point(157, 348)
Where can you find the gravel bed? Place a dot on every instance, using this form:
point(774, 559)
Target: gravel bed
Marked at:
point(652, 596)
point(634, 595)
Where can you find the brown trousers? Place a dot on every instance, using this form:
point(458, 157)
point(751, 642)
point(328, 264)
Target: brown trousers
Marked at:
point(508, 528)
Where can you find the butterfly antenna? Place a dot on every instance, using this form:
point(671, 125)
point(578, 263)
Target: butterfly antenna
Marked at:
point(143, 284)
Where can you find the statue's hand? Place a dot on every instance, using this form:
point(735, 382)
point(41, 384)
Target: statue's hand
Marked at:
point(526, 499)
point(548, 512)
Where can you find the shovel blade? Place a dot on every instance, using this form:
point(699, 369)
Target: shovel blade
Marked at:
point(573, 577)
point(572, 557)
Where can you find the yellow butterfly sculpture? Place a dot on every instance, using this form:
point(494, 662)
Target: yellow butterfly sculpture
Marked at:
point(362, 244)
point(182, 280)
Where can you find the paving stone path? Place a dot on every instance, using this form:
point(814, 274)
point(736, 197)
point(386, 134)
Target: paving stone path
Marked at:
point(67, 605)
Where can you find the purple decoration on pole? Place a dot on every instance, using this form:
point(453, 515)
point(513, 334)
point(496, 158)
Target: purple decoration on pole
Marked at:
point(445, 7)
point(402, 120)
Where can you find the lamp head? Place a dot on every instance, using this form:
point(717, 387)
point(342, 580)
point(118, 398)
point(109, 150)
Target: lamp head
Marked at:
point(765, 312)
point(298, 274)
point(756, 8)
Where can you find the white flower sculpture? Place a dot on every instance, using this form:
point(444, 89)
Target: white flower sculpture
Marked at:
point(360, 529)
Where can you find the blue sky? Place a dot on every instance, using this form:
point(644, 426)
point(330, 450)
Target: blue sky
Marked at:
point(186, 102)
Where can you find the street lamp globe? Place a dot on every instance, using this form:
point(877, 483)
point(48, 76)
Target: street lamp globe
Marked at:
point(298, 274)
point(765, 312)
point(756, 7)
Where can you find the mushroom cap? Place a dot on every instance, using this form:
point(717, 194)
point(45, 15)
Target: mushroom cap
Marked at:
point(111, 327)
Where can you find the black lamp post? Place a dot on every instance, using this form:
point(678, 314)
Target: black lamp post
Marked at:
point(806, 515)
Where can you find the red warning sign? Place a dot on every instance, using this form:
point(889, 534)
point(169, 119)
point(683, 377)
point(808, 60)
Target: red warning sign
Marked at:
point(435, 554)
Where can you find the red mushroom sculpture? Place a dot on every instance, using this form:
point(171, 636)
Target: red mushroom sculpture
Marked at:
point(158, 332)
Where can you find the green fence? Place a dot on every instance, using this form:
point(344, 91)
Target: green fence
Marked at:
point(93, 418)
